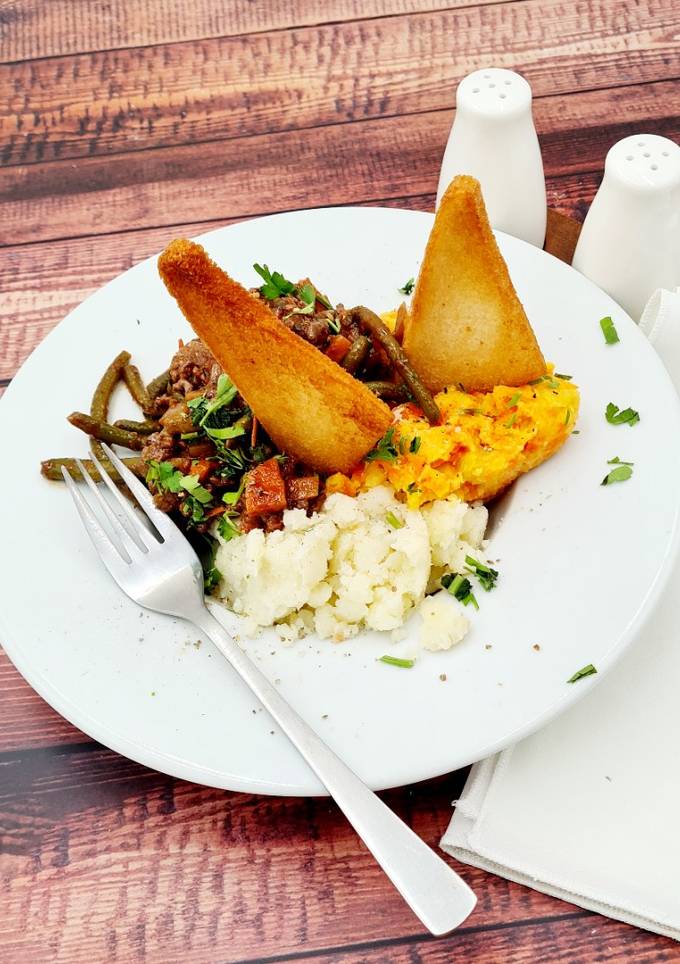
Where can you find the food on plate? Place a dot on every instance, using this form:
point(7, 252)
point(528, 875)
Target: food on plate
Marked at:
point(309, 405)
point(357, 563)
point(466, 325)
point(300, 447)
point(484, 441)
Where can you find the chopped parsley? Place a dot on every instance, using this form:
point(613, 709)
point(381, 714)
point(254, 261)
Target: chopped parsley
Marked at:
point(624, 416)
point(334, 326)
point(617, 461)
point(515, 398)
point(486, 576)
point(275, 285)
point(394, 521)
point(581, 673)
point(211, 579)
point(191, 485)
point(567, 416)
point(385, 450)
point(231, 498)
point(621, 473)
point(566, 378)
point(407, 289)
point(227, 528)
point(415, 444)
point(396, 661)
point(164, 476)
point(460, 587)
point(202, 409)
point(611, 335)
point(511, 421)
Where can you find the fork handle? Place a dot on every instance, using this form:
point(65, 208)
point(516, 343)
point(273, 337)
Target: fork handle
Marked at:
point(433, 891)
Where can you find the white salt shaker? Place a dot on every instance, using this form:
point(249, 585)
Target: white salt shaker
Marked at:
point(493, 138)
point(630, 241)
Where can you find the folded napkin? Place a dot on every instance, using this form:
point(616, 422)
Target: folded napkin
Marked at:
point(588, 809)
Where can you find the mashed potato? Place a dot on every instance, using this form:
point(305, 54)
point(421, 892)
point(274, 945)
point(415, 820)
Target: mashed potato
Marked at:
point(359, 563)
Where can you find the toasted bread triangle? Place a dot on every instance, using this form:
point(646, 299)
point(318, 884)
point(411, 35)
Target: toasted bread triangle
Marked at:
point(312, 408)
point(466, 325)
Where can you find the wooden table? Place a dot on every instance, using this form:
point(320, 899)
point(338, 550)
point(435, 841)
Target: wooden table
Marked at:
point(123, 124)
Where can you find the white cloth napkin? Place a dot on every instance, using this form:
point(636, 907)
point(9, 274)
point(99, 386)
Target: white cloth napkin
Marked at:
point(588, 809)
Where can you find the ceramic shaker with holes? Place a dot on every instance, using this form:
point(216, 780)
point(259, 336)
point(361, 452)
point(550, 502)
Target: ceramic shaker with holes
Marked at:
point(630, 242)
point(493, 138)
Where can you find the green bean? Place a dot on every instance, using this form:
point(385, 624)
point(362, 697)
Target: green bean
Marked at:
point(104, 432)
point(158, 385)
point(136, 386)
point(147, 427)
point(396, 393)
point(356, 355)
point(51, 468)
point(397, 357)
point(99, 407)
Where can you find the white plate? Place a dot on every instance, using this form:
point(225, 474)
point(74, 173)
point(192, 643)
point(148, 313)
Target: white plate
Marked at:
point(581, 565)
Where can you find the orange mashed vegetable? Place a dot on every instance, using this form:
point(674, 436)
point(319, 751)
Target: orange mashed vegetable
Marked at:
point(483, 443)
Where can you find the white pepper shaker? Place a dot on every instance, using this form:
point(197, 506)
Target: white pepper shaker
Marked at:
point(630, 240)
point(493, 138)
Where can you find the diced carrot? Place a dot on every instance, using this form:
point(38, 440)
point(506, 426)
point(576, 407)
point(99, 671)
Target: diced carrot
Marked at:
point(304, 488)
point(202, 468)
point(338, 347)
point(265, 489)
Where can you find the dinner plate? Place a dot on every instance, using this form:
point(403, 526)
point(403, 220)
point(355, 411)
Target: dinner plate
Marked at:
point(581, 565)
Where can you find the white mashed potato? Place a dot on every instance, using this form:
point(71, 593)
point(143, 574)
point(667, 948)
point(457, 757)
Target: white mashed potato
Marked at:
point(359, 563)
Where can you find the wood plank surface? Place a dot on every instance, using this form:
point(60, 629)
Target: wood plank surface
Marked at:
point(124, 124)
point(33, 29)
point(92, 840)
point(135, 99)
point(283, 171)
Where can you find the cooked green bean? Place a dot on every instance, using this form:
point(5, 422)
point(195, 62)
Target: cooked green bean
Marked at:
point(137, 388)
point(51, 468)
point(356, 355)
point(147, 427)
point(99, 407)
point(397, 357)
point(104, 432)
point(395, 393)
point(158, 385)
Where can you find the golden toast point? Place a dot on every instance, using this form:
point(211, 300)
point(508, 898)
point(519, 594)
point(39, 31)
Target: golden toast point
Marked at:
point(466, 325)
point(310, 407)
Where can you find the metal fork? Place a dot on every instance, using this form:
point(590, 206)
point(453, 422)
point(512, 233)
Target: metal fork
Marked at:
point(162, 572)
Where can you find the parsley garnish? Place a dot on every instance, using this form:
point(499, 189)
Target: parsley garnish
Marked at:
point(394, 521)
point(567, 416)
point(460, 587)
point(385, 450)
point(611, 335)
point(621, 473)
point(307, 294)
point(515, 398)
point(202, 408)
point(227, 528)
point(231, 498)
point(191, 485)
point(511, 421)
point(334, 325)
point(211, 579)
point(275, 285)
point(616, 416)
point(395, 661)
point(617, 461)
point(580, 673)
point(415, 444)
point(566, 378)
point(485, 574)
point(408, 287)
point(164, 477)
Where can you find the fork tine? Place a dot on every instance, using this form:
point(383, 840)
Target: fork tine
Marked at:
point(160, 520)
point(137, 531)
point(111, 550)
point(119, 528)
